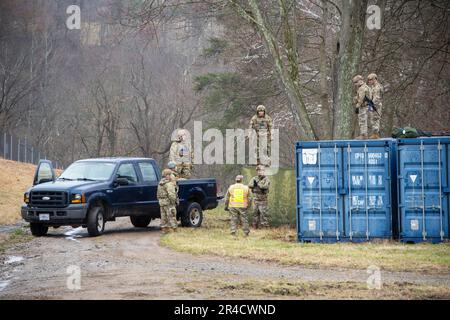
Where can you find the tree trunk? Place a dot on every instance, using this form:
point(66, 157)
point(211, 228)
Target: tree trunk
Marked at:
point(347, 62)
point(324, 95)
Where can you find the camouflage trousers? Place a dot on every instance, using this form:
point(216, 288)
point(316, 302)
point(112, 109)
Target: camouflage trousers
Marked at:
point(375, 120)
point(169, 217)
point(263, 149)
point(369, 121)
point(239, 215)
point(184, 171)
point(260, 219)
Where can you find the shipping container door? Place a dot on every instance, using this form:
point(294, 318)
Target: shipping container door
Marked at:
point(368, 202)
point(423, 185)
point(319, 180)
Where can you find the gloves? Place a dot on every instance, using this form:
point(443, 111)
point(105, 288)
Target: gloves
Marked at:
point(255, 184)
point(357, 110)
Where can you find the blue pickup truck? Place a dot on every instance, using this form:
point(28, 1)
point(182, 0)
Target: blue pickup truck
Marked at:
point(90, 192)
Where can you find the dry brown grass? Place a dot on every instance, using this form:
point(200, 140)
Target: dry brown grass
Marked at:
point(272, 289)
point(15, 179)
point(279, 245)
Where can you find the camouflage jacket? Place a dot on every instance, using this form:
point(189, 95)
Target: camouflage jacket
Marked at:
point(377, 94)
point(262, 123)
point(167, 192)
point(363, 91)
point(260, 188)
point(181, 152)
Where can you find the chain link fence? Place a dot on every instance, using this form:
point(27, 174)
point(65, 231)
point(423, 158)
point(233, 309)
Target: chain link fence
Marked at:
point(21, 150)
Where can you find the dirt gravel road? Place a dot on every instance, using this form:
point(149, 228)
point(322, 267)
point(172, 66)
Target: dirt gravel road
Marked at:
point(129, 263)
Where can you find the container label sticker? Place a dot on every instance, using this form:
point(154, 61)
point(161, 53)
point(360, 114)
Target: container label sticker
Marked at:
point(311, 180)
point(374, 158)
point(357, 180)
point(309, 156)
point(357, 202)
point(414, 225)
point(312, 225)
point(413, 177)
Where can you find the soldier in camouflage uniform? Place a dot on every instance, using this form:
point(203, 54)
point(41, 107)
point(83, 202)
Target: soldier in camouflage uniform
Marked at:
point(181, 153)
point(361, 108)
point(377, 97)
point(168, 200)
point(236, 202)
point(262, 123)
point(259, 185)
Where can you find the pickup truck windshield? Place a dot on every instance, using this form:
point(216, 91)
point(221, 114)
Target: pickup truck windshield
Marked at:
point(97, 171)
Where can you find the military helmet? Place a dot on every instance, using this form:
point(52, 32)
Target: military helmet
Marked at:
point(239, 178)
point(166, 172)
point(261, 108)
point(181, 133)
point(260, 167)
point(372, 76)
point(171, 165)
point(357, 78)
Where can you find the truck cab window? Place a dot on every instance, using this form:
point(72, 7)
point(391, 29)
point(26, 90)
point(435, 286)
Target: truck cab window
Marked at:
point(148, 172)
point(127, 171)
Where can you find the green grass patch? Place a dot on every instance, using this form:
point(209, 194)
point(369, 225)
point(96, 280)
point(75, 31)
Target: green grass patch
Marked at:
point(17, 236)
point(279, 245)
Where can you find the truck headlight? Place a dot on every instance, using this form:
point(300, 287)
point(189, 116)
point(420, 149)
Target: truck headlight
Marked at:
point(78, 198)
point(26, 197)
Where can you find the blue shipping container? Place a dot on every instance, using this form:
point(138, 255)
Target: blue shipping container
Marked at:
point(345, 190)
point(423, 195)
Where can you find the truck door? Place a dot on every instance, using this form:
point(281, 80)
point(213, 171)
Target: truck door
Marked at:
point(44, 172)
point(148, 202)
point(126, 189)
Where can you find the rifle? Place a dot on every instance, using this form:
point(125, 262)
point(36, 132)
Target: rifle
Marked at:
point(371, 105)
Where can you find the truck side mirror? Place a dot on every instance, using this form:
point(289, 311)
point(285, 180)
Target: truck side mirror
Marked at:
point(121, 182)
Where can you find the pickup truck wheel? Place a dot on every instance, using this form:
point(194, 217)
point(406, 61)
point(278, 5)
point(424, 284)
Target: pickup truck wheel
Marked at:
point(140, 221)
point(193, 216)
point(96, 221)
point(38, 229)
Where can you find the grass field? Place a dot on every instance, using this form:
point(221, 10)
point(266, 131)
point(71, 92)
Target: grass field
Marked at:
point(265, 289)
point(279, 245)
point(15, 179)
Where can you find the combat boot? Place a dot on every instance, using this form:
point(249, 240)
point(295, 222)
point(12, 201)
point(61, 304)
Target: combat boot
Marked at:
point(164, 230)
point(375, 136)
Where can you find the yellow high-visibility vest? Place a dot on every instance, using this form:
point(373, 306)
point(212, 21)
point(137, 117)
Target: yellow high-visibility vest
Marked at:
point(238, 196)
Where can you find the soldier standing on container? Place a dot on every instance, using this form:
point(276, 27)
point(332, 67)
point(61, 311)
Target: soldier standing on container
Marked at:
point(262, 123)
point(236, 202)
point(377, 97)
point(361, 108)
point(259, 185)
point(168, 200)
point(181, 153)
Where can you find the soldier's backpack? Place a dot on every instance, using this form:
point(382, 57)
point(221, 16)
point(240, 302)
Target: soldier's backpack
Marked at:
point(408, 132)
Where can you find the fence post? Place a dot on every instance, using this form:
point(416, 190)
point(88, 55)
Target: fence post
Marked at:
point(11, 155)
point(32, 154)
point(4, 146)
point(25, 153)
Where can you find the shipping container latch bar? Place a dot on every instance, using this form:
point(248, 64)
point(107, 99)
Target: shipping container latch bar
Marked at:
point(349, 160)
point(440, 192)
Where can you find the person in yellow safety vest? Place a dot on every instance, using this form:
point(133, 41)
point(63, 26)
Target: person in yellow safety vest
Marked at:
point(237, 203)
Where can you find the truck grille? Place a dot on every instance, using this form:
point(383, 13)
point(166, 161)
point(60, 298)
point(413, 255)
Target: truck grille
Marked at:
point(56, 199)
